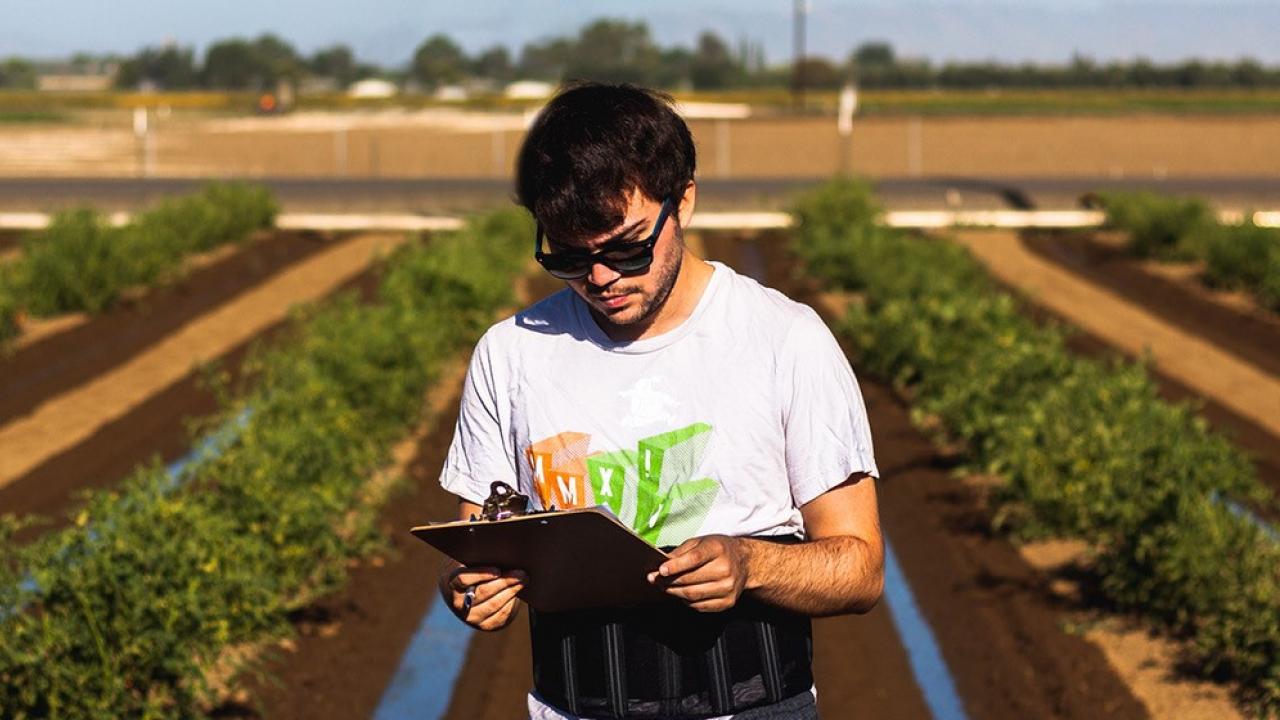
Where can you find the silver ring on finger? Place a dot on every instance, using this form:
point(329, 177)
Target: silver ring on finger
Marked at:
point(468, 598)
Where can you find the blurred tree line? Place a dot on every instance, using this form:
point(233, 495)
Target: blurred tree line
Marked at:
point(876, 66)
point(625, 51)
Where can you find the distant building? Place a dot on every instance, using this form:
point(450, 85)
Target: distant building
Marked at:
point(451, 93)
point(92, 76)
point(713, 110)
point(529, 90)
point(372, 88)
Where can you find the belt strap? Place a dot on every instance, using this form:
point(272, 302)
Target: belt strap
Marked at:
point(615, 669)
point(569, 661)
point(718, 672)
point(768, 639)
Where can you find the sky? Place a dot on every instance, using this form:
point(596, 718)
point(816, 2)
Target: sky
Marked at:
point(387, 31)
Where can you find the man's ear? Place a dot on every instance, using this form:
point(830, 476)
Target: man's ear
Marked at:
point(687, 201)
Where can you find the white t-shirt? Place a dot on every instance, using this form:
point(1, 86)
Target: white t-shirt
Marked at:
point(726, 424)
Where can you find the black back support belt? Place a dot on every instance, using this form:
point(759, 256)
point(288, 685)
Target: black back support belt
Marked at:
point(668, 661)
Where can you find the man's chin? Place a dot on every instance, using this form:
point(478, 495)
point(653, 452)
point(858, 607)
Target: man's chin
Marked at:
point(620, 316)
point(629, 314)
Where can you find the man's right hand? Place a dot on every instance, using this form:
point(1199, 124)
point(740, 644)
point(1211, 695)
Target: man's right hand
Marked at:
point(493, 602)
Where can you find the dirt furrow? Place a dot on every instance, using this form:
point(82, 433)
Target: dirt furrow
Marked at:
point(1170, 292)
point(61, 422)
point(156, 428)
point(45, 368)
point(1214, 373)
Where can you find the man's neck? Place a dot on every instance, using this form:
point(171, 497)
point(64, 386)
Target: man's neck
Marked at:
point(695, 274)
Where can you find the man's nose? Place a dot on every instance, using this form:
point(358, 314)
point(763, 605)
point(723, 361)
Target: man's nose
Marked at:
point(602, 274)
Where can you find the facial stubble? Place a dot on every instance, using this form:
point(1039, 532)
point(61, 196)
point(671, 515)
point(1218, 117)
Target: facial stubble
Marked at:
point(650, 306)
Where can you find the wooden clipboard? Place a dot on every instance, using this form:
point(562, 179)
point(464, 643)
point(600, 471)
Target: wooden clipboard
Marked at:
point(579, 558)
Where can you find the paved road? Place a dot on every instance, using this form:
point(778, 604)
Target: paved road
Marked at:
point(453, 195)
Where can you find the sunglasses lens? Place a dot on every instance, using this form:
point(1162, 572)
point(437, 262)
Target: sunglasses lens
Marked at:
point(566, 268)
point(568, 274)
point(574, 267)
point(635, 263)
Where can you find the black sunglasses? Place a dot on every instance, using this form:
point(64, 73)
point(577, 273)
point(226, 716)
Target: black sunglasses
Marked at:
point(624, 256)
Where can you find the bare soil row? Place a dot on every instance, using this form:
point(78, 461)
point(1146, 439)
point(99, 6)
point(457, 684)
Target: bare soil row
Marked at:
point(155, 427)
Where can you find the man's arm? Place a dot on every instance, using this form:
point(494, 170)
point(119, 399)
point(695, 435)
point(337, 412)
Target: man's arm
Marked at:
point(494, 603)
point(838, 569)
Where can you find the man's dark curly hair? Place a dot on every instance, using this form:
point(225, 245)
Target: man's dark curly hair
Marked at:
point(590, 147)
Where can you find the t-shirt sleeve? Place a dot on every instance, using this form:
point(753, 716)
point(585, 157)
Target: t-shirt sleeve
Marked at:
point(480, 451)
point(824, 418)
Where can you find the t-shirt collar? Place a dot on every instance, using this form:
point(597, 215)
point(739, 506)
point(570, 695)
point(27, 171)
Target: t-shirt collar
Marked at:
point(596, 335)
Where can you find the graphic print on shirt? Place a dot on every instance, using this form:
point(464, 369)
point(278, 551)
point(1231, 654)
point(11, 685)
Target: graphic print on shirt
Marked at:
point(651, 489)
point(647, 403)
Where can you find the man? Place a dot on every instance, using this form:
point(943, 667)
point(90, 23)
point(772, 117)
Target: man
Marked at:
point(707, 412)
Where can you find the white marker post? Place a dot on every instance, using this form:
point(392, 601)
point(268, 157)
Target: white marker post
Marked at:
point(848, 106)
point(142, 133)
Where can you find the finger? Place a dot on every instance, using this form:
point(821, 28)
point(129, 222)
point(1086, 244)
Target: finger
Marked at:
point(692, 557)
point(702, 591)
point(502, 616)
point(464, 578)
point(486, 590)
point(467, 599)
point(490, 607)
point(708, 573)
point(477, 576)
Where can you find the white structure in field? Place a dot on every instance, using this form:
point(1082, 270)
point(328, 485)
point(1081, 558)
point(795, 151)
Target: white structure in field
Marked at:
point(372, 88)
point(451, 93)
point(713, 110)
point(529, 90)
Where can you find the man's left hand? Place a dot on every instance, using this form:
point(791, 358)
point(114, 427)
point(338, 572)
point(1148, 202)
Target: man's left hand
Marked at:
point(707, 573)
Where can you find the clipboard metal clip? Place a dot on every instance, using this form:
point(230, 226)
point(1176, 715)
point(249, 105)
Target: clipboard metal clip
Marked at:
point(503, 502)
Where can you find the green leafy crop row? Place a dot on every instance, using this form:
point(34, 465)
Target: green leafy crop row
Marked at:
point(154, 582)
point(82, 263)
point(1084, 448)
point(8, 315)
point(1236, 256)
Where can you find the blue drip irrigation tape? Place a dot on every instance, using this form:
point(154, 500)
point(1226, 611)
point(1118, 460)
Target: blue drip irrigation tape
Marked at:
point(927, 665)
point(208, 448)
point(423, 684)
point(1241, 511)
